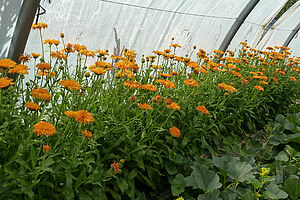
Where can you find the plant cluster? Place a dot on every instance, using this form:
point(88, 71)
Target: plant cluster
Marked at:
point(120, 130)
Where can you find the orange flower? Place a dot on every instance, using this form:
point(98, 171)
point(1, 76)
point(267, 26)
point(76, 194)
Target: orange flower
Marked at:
point(19, 69)
point(293, 78)
point(202, 109)
point(43, 66)
point(166, 83)
point(157, 98)
point(131, 84)
point(145, 106)
point(87, 133)
point(5, 82)
point(35, 55)
point(41, 93)
point(164, 75)
point(191, 82)
point(226, 87)
point(259, 88)
point(175, 45)
point(70, 114)
point(83, 117)
point(98, 70)
point(45, 73)
point(132, 98)
point(70, 84)
point(7, 63)
point(32, 106)
point(175, 132)
point(173, 106)
point(116, 166)
point(236, 74)
point(275, 79)
point(46, 148)
point(264, 82)
point(149, 87)
point(44, 128)
point(39, 26)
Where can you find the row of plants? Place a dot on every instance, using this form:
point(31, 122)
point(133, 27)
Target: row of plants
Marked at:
point(181, 126)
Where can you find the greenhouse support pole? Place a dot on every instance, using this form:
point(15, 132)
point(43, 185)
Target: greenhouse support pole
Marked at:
point(23, 27)
point(237, 24)
point(292, 35)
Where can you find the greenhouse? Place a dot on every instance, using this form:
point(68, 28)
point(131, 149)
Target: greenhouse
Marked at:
point(150, 99)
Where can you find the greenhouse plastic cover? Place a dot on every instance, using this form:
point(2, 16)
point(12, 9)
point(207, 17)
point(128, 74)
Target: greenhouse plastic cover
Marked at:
point(280, 31)
point(9, 11)
point(142, 25)
point(256, 23)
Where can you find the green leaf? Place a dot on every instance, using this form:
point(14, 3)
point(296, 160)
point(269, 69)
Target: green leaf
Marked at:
point(228, 195)
point(239, 171)
point(282, 156)
point(249, 196)
point(292, 187)
point(210, 196)
point(203, 178)
point(178, 185)
point(273, 192)
point(293, 138)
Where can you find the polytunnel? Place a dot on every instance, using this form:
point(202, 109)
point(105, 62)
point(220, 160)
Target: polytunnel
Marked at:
point(149, 25)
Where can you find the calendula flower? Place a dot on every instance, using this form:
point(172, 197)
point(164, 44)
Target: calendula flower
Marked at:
point(70, 84)
point(132, 98)
point(180, 198)
point(39, 26)
point(175, 45)
point(173, 106)
point(44, 128)
point(264, 171)
point(45, 73)
point(41, 93)
point(275, 79)
point(191, 82)
point(259, 88)
point(24, 58)
point(19, 69)
point(175, 132)
point(116, 167)
point(149, 87)
point(7, 63)
point(226, 87)
point(46, 148)
point(164, 75)
point(43, 66)
point(81, 116)
point(132, 84)
point(32, 106)
point(202, 109)
point(156, 98)
point(145, 106)
point(87, 133)
point(35, 55)
point(264, 82)
point(5, 82)
point(293, 78)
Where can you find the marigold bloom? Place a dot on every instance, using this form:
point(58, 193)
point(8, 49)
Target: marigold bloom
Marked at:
point(41, 93)
point(145, 106)
point(173, 106)
point(264, 171)
point(275, 79)
point(7, 63)
point(202, 109)
point(70, 113)
point(44, 128)
point(32, 106)
point(191, 82)
point(157, 98)
point(164, 75)
point(149, 87)
point(87, 133)
point(116, 167)
point(293, 78)
point(131, 84)
point(46, 148)
point(132, 98)
point(175, 132)
point(264, 82)
point(5, 82)
point(39, 26)
point(259, 88)
point(45, 73)
point(19, 69)
point(83, 117)
point(35, 55)
point(175, 45)
point(43, 66)
point(236, 74)
point(70, 84)
point(226, 87)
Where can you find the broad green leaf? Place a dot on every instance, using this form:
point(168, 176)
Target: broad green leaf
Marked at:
point(203, 178)
point(293, 138)
point(282, 156)
point(292, 187)
point(239, 171)
point(210, 196)
point(249, 196)
point(178, 185)
point(228, 195)
point(273, 192)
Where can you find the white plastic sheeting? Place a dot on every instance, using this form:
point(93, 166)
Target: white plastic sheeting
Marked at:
point(295, 45)
point(143, 25)
point(280, 31)
point(9, 11)
point(255, 24)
